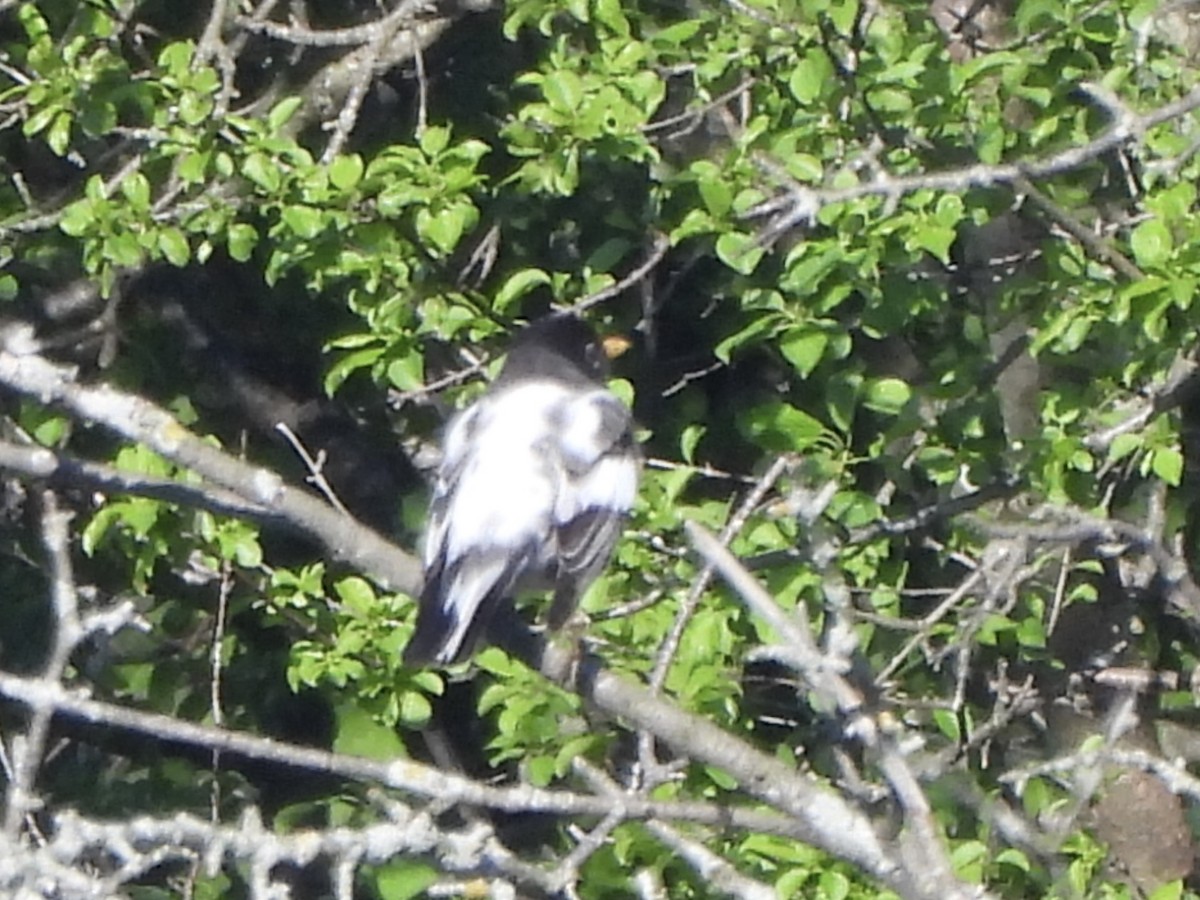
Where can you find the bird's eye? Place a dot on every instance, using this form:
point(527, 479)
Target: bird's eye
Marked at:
point(595, 356)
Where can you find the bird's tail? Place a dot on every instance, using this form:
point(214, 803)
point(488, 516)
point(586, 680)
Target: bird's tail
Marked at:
point(566, 599)
point(441, 637)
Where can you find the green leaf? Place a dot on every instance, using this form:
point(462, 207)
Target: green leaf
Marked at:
point(807, 269)
point(360, 734)
point(415, 709)
point(993, 626)
point(891, 100)
point(1167, 464)
point(811, 77)
point(739, 251)
point(1124, 444)
point(345, 172)
point(1151, 244)
point(1172, 890)
point(949, 211)
point(194, 108)
point(517, 286)
point(678, 34)
point(806, 167)
point(948, 724)
point(176, 58)
point(1031, 632)
point(443, 228)
point(803, 348)
point(792, 883)
point(563, 91)
point(263, 171)
point(689, 439)
point(305, 221)
point(58, 138)
point(968, 859)
point(434, 140)
point(193, 166)
point(933, 238)
point(48, 429)
point(886, 395)
point(580, 9)
point(716, 192)
point(174, 246)
point(781, 427)
point(242, 240)
point(77, 219)
point(745, 335)
point(833, 885)
point(540, 770)
point(405, 879)
point(407, 373)
point(40, 120)
point(357, 594)
point(123, 249)
point(608, 254)
point(349, 364)
point(842, 398)
point(1175, 203)
point(721, 778)
point(1013, 857)
point(281, 112)
point(610, 14)
point(239, 543)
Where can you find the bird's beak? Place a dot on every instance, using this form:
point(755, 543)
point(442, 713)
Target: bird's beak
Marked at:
point(615, 344)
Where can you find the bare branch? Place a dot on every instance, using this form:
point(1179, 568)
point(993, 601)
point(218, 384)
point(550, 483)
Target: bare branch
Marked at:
point(405, 775)
point(67, 633)
point(141, 421)
point(802, 203)
point(1059, 525)
point(1182, 379)
point(357, 35)
point(61, 470)
point(315, 468)
point(714, 870)
point(921, 851)
point(657, 251)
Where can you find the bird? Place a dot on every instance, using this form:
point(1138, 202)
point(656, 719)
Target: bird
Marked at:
point(536, 480)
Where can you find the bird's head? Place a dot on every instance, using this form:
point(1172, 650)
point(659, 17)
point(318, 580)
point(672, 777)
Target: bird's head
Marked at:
point(561, 346)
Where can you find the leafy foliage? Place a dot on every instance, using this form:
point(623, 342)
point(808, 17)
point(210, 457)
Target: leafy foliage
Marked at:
point(859, 225)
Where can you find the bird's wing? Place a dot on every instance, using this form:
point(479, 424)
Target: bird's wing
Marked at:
point(599, 483)
point(456, 450)
point(459, 601)
point(491, 520)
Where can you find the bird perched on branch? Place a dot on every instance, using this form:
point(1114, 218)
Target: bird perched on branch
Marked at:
point(536, 480)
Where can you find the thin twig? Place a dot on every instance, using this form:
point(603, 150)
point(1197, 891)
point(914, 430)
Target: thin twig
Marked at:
point(216, 666)
point(316, 475)
point(687, 609)
point(924, 850)
point(67, 633)
point(1097, 246)
point(658, 250)
point(357, 35)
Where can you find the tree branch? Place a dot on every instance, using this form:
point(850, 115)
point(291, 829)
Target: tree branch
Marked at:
point(141, 421)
